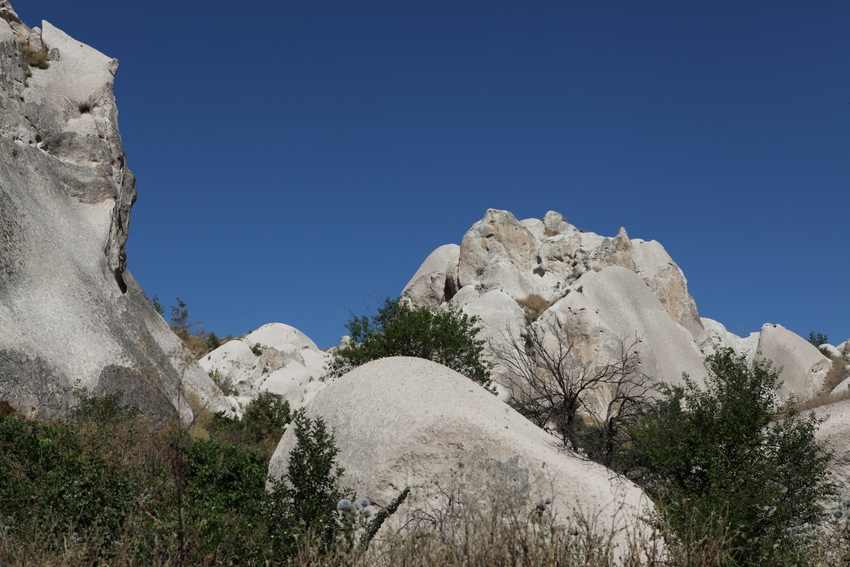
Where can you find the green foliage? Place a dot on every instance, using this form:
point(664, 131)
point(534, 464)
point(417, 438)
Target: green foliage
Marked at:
point(213, 342)
point(306, 499)
point(447, 336)
point(262, 424)
point(724, 454)
point(50, 483)
point(119, 483)
point(818, 339)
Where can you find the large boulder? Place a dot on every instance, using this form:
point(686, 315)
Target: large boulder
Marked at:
point(71, 315)
point(407, 422)
point(802, 368)
point(275, 358)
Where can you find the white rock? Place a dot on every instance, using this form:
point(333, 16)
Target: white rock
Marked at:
point(535, 227)
point(71, 315)
point(716, 336)
point(668, 282)
point(802, 367)
point(428, 286)
point(613, 305)
point(281, 337)
point(831, 352)
point(288, 364)
point(406, 422)
point(498, 253)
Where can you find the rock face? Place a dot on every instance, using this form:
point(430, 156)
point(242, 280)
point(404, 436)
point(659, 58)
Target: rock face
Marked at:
point(717, 336)
point(605, 308)
point(70, 314)
point(834, 431)
point(407, 422)
point(275, 358)
point(514, 273)
point(802, 367)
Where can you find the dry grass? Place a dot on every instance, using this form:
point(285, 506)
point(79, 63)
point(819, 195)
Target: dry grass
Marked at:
point(533, 306)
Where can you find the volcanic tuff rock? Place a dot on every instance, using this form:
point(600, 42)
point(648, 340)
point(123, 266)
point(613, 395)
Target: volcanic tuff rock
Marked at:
point(70, 314)
point(802, 367)
point(603, 289)
point(275, 358)
point(407, 422)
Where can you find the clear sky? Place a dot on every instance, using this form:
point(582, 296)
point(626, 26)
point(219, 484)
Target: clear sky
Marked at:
point(298, 160)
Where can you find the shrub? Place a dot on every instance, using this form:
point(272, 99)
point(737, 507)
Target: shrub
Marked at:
point(818, 339)
point(723, 454)
point(262, 424)
point(224, 383)
point(447, 336)
point(305, 500)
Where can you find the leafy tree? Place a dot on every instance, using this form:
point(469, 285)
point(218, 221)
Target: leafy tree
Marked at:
point(818, 339)
point(447, 336)
point(728, 452)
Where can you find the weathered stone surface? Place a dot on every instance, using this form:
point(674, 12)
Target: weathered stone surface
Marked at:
point(71, 316)
point(716, 336)
point(498, 253)
point(436, 279)
point(604, 309)
point(407, 422)
point(802, 367)
point(275, 358)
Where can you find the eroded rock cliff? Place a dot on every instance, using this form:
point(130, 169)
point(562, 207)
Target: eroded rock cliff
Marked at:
point(71, 315)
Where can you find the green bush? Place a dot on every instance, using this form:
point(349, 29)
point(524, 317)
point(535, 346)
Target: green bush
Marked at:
point(50, 483)
point(725, 455)
point(818, 339)
point(306, 499)
point(447, 336)
point(262, 424)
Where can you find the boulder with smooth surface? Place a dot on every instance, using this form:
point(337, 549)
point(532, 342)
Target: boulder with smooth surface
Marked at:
point(408, 422)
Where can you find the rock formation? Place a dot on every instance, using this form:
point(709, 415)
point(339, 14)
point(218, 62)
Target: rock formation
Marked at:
point(71, 315)
point(513, 273)
point(407, 422)
point(275, 358)
point(802, 368)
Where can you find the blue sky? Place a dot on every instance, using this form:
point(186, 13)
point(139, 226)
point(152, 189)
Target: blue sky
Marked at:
point(297, 160)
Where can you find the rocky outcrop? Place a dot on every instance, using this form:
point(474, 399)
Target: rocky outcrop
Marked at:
point(605, 309)
point(717, 336)
point(71, 316)
point(275, 358)
point(407, 422)
point(436, 279)
point(514, 273)
point(803, 369)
